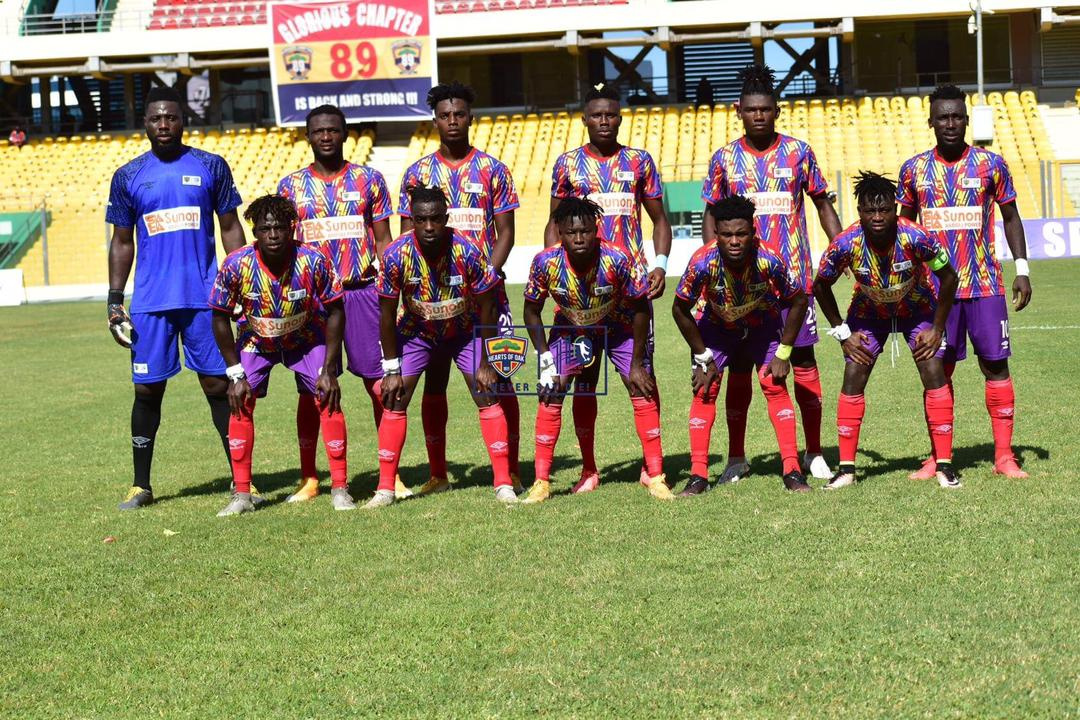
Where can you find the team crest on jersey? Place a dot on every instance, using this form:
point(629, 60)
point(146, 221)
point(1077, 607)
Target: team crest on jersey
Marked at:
point(297, 61)
point(407, 56)
point(506, 354)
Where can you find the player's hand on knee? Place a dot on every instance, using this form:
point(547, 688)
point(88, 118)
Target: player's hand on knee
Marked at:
point(1021, 292)
point(640, 381)
point(485, 380)
point(120, 324)
point(393, 387)
point(239, 396)
point(927, 343)
point(855, 347)
point(703, 377)
point(778, 369)
point(328, 392)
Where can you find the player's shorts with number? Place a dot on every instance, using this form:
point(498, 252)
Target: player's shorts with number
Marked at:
point(155, 352)
point(985, 320)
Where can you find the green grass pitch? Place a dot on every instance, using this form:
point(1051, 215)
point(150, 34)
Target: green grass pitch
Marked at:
point(891, 599)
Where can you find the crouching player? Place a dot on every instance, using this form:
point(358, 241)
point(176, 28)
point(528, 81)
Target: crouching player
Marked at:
point(446, 285)
point(888, 258)
point(284, 288)
point(596, 288)
point(744, 285)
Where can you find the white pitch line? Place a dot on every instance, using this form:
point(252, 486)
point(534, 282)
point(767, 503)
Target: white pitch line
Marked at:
point(1046, 327)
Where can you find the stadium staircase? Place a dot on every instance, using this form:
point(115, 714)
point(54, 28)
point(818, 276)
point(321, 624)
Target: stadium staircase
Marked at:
point(131, 14)
point(848, 134)
point(1063, 127)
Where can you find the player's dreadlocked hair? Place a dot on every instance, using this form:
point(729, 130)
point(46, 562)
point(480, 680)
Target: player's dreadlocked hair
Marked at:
point(280, 208)
point(422, 194)
point(575, 207)
point(947, 92)
point(757, 79)
point(450, 91)
point(733, 207)
point(163, 94)
point(870, 187)
point(603, 91)
point(326, 110)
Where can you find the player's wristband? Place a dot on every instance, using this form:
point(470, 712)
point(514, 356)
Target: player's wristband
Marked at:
point(660, 262)
point(783, 352)
point(841, 332)
point(116, 297)
point(1022, 266)
point(391, 366)
point(702, 359)
point(235, 373)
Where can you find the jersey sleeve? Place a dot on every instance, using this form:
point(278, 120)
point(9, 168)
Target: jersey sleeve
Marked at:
point(388, 283)
point(224, 293)
point(815, 181)
point(226, 197)
point(327, 285)
point(693, 277)
point(714, 188)
point(536, 288)
point(504, 197)
point(404, 207)
point(480, 273)
point(121, 209)
point(284, 188)
point(379, 198)
point(784, 279)
point(634, 282)
point(923, 245)
point(1004, 191)
point(650, 184)
point(905, 186)
point(561, 187)
point(834, 259)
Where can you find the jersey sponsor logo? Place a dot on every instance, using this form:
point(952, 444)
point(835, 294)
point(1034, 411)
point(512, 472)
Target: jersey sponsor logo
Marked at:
point(172, 220)
point(888, 295)
point(971, 183)
point(298, 294)
point(440, 310)
point(506, 354)
point(589, 316)
point(140, 368)
point(473, 188)
point(468, 219)
point(269, 327)
point(782, 173)
point(624, 176)
point(192, 180)
point(734, 313)
point(343, 227)
point(772, 203)
point(968, 217)
point(614, 203)
point(901, 266)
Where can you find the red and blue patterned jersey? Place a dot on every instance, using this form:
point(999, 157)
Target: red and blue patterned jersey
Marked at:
point(618, 184)
point(336, 215)
point(478, 188)
point(438, 302)
point(776, 181)
point(280, 313)
point(603, 295)
point(736, 298)
point(892, 284)
point(955, 202)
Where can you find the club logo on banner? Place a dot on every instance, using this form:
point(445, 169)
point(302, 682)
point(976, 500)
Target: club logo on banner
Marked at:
point(375, 61)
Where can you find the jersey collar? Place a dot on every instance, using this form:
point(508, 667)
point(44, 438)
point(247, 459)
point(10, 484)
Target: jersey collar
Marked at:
point(760, 153)
point(452, 164)
point(943, 161)
point(328, 178)
point(602, 158)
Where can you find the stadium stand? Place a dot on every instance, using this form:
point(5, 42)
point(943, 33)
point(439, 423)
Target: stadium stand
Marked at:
point(463, 6)
point(173, 14)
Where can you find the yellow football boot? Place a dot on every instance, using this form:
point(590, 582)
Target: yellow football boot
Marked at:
point(434, 485)
point(538, 493)
point(308, 490)
point(401, 490)
point(659, 489)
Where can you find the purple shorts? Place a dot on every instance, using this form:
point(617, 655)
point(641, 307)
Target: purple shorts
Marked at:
point(808, 335)
point(986, 321)
point(575, 351)
point(419, 352)
point(756, 343)
point(362, 346)
point(306, 363)
point(877, 332)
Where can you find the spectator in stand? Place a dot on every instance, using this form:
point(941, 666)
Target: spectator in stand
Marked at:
point(17, 136)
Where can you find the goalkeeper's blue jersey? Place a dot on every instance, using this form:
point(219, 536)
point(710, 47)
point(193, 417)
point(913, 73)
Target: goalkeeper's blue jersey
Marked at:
point(171, 206)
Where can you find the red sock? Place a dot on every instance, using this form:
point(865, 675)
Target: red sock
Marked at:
point(335, 438)
point(849, 416)
point(950, 368)
point(392, 431)
point(241, 442)
point(433, 414)
point(1001, 404)
point(493, 428)
point(548, 425)
point(647, 422)
point(307, 433)
point(509, 404)
point(808, 397)
point(584, 410)
point(782, 416)
point(938, 404)
point(737, 403)
point(702, 417)
point(374, 391)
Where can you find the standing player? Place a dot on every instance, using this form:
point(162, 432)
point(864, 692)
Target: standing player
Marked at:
point(776, 172)
point(743, 284)
point(602, 293)
point(893, 294)
point(344, 211)
point(163, 203)
point(284, 289)
point(448, 289)
point(482, 201)
point(621, 180)
point(954, 188)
